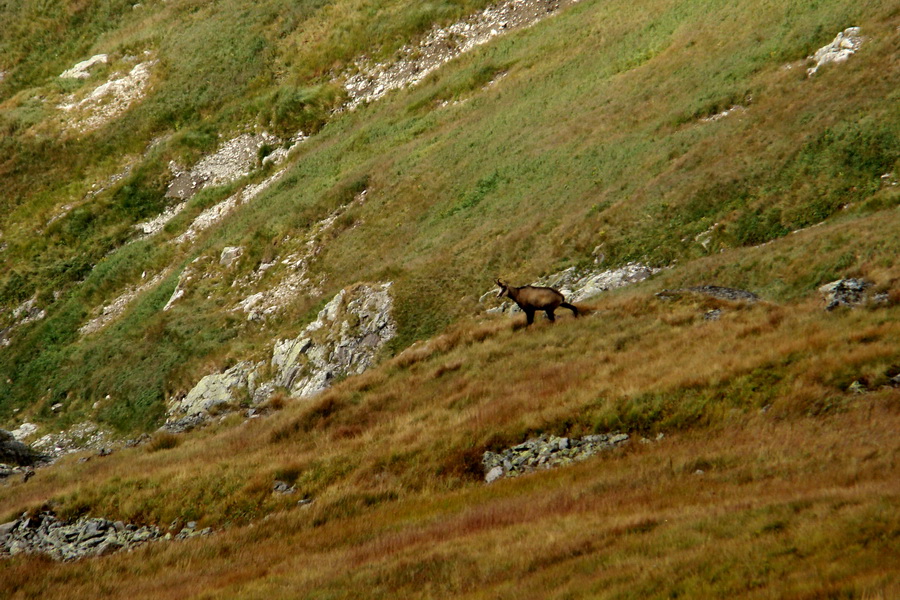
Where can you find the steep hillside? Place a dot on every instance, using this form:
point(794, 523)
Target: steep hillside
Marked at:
point(270, 229)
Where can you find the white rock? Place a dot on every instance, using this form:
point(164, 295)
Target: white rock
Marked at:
point(23, 431)
point(229, 255)
point(82, 69)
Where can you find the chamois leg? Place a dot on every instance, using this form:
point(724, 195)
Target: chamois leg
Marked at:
point(550, 315)
point(529, 315)
point(570, 307)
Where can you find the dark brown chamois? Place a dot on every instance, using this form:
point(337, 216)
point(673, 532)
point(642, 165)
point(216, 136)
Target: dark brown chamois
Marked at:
point(532, 299)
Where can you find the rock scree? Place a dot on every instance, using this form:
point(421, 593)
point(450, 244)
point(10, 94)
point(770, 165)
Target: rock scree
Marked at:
point(547, 453)
point(71, 540)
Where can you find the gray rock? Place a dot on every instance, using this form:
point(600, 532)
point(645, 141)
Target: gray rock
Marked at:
point(494, 474)
point(344, 340)
point(229, 255)
point(845, 292)
point(82, 69)
point(15, 452)
point(282, 487)
point(712, 315)
point(546, 453)
point(213, 390)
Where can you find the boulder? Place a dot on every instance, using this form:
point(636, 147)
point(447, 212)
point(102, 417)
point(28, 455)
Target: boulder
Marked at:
point(82, 70)
point(229, 387)
point(845, 292)
point(15, 452)
point(843, 47)
point(229, 255)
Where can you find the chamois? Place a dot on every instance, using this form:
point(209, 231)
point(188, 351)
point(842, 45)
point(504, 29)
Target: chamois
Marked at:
point(531, 299)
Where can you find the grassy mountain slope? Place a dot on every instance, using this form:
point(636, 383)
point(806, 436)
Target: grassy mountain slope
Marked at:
point(580, 141)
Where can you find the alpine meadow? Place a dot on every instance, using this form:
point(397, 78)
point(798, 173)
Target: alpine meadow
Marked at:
point(253, 342)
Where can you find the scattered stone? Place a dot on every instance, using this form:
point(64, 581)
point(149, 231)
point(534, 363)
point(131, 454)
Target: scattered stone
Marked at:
point(737, 108)
point(282, 487)
point(82, 69)
point(23, 431)
point(234, 159)
point(112, 311)
point(217, 212)
point(295, 277)
point(845, 292)
point(712, 315)
point(27, 312)
point(857, 387)
point(546, 453)
point(843, 47)
point(138, 441)
point(81, 436)
point(68, 540)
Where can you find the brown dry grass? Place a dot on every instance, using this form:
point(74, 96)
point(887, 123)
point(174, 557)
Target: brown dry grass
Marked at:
point(798, 472)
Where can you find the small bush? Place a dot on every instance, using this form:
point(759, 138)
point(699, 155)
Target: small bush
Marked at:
point(163, 441)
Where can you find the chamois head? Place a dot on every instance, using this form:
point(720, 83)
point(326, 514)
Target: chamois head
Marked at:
point(504, 289)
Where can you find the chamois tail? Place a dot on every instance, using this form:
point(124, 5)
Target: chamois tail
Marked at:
point(571, 307)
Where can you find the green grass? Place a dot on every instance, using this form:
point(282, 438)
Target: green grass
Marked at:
point(592, 146)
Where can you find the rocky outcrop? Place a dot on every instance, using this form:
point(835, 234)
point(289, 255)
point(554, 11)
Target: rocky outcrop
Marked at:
point(851, 293)
point(27, 312)
point(579, 285)
point(15, 452)
point(86, 435)
point(843, 47)
point(442, 44)
point(227, 388)
point(108, 100)
point(547, 453)
point(65, 541)
point(234, 159)
point(344, 340)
